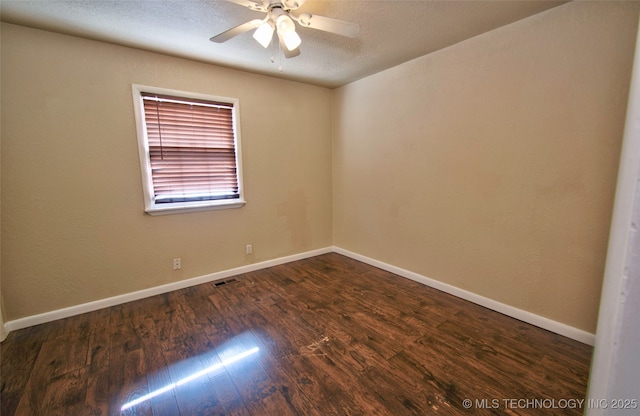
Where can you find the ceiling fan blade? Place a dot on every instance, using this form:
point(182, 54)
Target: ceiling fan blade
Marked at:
point(292, 4)
point(287, 53)
point(328, 24)
point(257, 5)
point(235, 31)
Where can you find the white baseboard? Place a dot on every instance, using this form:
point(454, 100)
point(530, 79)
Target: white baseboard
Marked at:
point(145, 293)
point(522, 315)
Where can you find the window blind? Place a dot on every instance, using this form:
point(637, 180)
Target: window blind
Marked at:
point(192, 148)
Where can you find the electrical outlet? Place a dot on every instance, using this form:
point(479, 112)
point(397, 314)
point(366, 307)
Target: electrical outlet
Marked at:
point(177, 264)
point(248, 249)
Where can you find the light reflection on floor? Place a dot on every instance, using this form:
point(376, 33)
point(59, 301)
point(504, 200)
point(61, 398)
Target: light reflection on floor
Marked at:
point(198, 374)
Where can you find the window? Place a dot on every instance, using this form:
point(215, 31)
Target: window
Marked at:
point(189, 150)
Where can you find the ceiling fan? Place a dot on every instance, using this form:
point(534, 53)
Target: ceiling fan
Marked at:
point(281, 20)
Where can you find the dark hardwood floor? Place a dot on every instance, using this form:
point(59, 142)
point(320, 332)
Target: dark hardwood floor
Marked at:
point(322, 336)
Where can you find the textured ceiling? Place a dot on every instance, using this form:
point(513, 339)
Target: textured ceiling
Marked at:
point(391, 32)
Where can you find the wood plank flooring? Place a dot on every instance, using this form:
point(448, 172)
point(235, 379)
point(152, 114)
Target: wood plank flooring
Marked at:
point(334, 337)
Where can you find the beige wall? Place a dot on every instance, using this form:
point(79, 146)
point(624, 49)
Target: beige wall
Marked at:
point(491, 165)
point(73, 227)
point(3, 334)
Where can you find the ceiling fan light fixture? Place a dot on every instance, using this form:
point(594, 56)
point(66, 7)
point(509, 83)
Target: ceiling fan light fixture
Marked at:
point(291, 40)
point(287, 32)
point(285, 24)
point(264, 33)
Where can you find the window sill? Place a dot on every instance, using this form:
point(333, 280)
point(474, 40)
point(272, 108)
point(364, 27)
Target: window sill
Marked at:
point(193, 207)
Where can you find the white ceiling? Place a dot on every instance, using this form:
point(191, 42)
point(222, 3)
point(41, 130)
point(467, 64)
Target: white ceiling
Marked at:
point(391, 31)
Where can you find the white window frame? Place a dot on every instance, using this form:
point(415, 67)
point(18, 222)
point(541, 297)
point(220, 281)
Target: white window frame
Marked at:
point(145, 164)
